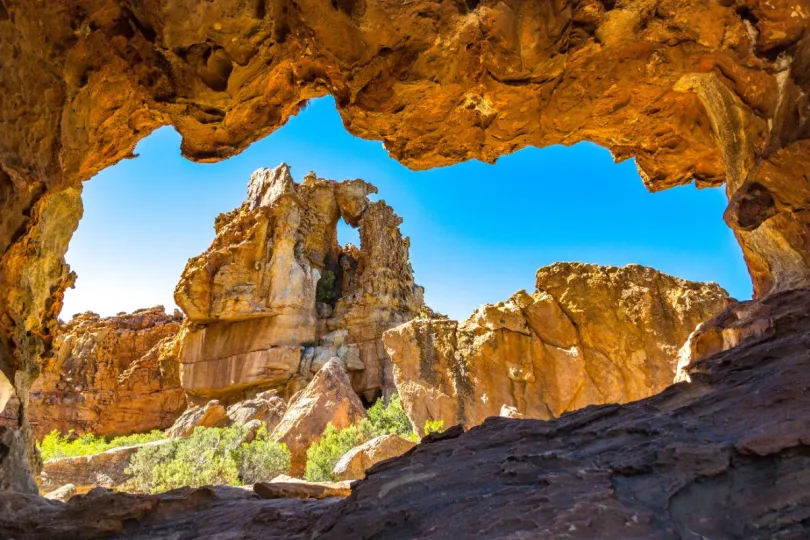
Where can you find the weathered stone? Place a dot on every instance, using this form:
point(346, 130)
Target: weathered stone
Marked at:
point(15, 466)
point(105, 469)
point(62, 494)
point(328, 399)
point(212, 414)
point(286, 487)
point(275, 297)
point(694, 90)
point(233, 511)
point(722, 457)
point(589, 335)
point(689, 461)
point(110, 376)
point(353, 464)
point(266, 407)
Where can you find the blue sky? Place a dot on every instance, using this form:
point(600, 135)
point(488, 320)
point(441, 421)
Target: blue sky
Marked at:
point(478, 232)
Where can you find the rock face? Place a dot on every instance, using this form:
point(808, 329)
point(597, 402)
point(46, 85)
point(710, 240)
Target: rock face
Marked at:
point(588, 335)
point(105, 469)
point(212, 414)
point(328, 399)
point(722, 457)
point(113, 376)
point(707, 91)
point(353, 465)
point(275, 296)
point(266, 407)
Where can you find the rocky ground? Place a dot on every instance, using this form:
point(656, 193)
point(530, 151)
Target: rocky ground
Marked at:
point(724, 456)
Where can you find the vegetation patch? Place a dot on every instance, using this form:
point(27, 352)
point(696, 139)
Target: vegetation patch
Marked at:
point(383, 419)
point(209, 456)
point(55, 446)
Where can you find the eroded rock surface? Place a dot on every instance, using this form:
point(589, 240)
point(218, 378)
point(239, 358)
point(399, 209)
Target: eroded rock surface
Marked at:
point(725, 456)
point(212, 414)
point(275, 297)
point(695, 90)
point(328, 399)
point(353, 464)
point(588, 335)
point(110, 376)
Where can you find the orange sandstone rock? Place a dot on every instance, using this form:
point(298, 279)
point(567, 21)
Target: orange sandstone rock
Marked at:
point(588, 335)
point(111, 376)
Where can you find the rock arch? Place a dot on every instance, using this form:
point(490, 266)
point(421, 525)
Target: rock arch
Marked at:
point(707, 91)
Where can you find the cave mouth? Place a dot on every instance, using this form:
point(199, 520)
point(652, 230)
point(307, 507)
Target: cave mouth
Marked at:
point(477, 231)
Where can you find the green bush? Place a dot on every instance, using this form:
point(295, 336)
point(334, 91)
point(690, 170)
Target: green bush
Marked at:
point(262, 459)
point(209, 456)
point(55, 446)
point(433, 426)
point(383, 419)
point(387, 419)
point(323, 455)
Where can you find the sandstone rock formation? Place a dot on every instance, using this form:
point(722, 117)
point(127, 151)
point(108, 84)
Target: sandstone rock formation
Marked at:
point(266, 407)
point(275, 296)
point(722, 457)
point(353, 464)
point(328, 399)
point(706, 91)
point(588, 335)
point(286, 487)
point(212, 414)
point(110, 376)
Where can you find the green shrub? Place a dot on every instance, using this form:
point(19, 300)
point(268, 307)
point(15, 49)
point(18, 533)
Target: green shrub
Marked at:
point(209, 456)
point(387, 419)
point(262, 459)
point(55, 446)
point(383, 419)
point(433, 426)
point(323, 455)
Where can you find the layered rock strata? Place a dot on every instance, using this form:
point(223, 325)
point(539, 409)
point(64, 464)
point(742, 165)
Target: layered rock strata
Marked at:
point(110, 376)
point(275, 297)
point(588, 335)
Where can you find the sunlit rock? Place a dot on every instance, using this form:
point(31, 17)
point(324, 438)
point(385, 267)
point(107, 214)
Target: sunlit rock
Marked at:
point(110, 376)
point(588, 335)
point(275, 297)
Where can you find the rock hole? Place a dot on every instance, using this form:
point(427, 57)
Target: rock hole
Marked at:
point(745, 13)
point(4, 16)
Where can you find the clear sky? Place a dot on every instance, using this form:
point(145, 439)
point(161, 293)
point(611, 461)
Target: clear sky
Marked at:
point(478, 232)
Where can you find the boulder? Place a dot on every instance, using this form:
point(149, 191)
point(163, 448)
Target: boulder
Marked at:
point(266, 407)
point(328, 399)
point(286, 487)
point(212, 414)
point(62, 494)
point(588, 335)
point(353, 464)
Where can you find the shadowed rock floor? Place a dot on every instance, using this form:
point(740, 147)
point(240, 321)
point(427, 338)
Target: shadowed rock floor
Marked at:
point(727, 456)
